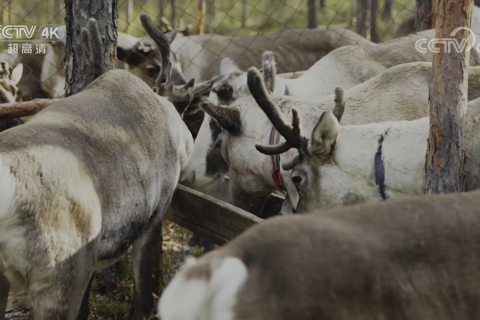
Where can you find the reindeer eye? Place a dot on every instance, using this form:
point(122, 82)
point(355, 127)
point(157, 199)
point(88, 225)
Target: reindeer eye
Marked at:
point(299, 178)
point(152, 71)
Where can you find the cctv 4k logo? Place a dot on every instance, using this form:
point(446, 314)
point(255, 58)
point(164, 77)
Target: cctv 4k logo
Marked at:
point(23, 33)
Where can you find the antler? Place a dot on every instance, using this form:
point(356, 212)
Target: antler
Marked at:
point(91, 42)
point(291, 132)
point(164, 46)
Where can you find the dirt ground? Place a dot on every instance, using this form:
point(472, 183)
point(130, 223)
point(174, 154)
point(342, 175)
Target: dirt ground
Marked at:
point(116, 305)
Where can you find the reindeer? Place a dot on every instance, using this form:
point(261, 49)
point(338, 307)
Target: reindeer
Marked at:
point(198, 56)
point(9, 79)
point(410, 259)
point(85, 179)
point(346, 66)
point(344, 165)
point(227, 145)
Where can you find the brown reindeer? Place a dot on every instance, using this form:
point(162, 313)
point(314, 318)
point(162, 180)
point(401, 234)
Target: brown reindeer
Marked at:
point(412, 259)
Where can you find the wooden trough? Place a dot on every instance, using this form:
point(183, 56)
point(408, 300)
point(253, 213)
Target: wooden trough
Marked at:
point(212, 218)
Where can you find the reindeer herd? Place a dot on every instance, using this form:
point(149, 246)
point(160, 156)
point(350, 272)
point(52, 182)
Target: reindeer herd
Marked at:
point(93, 175)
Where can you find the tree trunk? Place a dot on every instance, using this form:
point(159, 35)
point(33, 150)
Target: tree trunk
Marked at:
point(362, 14)
point(173, 15)
point(211, 17)
point(244, 13)
point(387, 10)
point(424, 9)
point(129, 8)
point(448, 101)
point(373, 21)
point(78, 75)
point(312, 15)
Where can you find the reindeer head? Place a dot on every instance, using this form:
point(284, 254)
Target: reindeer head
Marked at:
point(233, 84)
point(303, 185)
point(151, 56)
point(9, 78)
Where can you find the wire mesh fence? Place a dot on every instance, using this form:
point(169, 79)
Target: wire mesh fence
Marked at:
point(377, 20)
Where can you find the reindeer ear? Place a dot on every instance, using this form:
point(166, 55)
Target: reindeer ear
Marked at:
point(190, 84)
point(227, 117)
point(228, 66)
point(16, 74)
point(269, 70)
point(324, 135)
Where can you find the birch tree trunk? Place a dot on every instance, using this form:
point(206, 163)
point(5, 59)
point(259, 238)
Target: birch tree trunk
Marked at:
point(312, 15)
point(78, 75)
point(448, 101)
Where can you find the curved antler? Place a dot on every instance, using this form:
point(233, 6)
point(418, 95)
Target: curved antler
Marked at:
point(163, 46)
point(291, 132)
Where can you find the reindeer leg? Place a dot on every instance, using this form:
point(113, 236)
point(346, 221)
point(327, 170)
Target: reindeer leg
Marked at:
point(4, 289)
point(84, 308)
point(144, 249)
point(57, 292)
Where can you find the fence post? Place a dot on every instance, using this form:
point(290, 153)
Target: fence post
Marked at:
point(448, 101)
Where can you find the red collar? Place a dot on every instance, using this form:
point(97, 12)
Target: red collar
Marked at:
point(277, 175)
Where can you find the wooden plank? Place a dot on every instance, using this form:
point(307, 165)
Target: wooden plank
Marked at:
point(211, 218)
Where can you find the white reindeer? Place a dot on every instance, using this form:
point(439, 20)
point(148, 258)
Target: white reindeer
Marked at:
point(344, 165)
point(399, 93)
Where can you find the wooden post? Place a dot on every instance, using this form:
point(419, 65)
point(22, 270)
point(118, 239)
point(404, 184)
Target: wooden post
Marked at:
point(448, 101)
point(78, 74)
point(312, 15)
point(373, 21)
point(201, 15)
point(362, 13)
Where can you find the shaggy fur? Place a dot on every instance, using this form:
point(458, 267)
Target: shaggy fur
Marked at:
point(413, 259)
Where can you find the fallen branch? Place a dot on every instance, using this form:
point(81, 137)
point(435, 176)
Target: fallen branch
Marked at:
point(24, 109)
